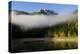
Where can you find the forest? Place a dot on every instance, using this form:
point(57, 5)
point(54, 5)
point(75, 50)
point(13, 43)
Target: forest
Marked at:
point(66, 29)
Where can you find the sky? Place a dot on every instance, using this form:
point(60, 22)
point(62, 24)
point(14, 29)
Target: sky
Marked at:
point(33, 6)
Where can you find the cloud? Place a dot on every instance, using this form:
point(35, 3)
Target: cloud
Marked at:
point(38, 21)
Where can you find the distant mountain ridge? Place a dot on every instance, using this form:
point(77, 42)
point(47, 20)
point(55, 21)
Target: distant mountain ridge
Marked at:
point(40, 12)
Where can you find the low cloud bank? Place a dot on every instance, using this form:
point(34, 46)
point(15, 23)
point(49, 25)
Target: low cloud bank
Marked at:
point(39, 21)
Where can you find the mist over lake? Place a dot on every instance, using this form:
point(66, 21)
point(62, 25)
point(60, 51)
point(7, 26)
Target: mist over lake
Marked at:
point(39, 21)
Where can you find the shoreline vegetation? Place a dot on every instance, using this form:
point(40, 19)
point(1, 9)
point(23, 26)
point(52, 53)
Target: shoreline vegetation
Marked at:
point(67, 39)
point(67, 29)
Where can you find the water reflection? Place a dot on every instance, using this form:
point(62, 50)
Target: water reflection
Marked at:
point(71, 43)
point(43, 44)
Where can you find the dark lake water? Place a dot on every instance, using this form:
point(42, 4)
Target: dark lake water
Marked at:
point(41, 44)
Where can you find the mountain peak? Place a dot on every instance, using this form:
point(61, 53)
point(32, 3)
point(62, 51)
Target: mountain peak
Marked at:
point(47, 12)
point(41, 11)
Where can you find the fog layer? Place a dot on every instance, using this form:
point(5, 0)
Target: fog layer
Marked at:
point(39, 21)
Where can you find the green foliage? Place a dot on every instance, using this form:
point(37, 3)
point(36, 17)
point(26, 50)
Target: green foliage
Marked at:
point(66, 29)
